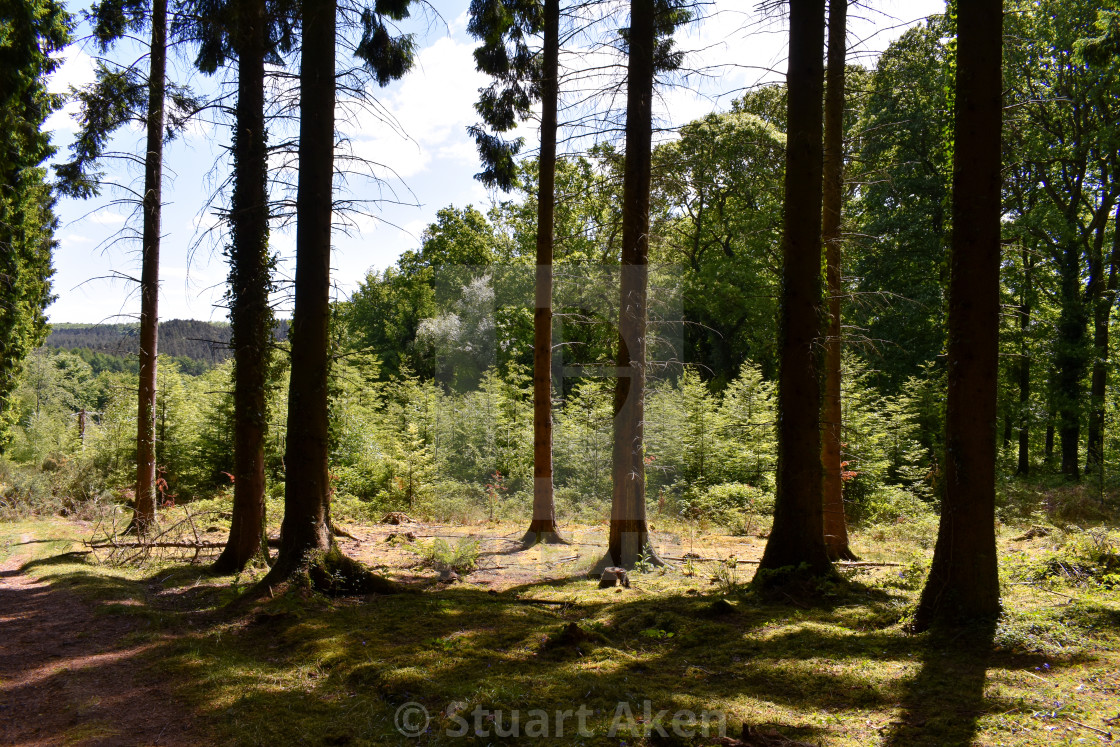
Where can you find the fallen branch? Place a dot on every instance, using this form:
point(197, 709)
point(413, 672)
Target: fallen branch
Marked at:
point(711, 560)
point(1048, 591)
point(1090, 728)
point(841, 563)
point(164, 543)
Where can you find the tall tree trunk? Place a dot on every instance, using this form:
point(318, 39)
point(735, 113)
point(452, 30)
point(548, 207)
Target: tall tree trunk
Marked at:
point(1070, 358)
point(629, 533)
point(543, 527)
point(963, 583)
point(145, 514)
point(250, 314)
point(797, 535)
point(835, 525)
point(306, 526)
point(1024, 466)
point(1102, 310)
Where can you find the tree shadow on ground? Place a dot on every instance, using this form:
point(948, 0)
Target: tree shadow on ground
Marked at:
point(338, 669)
point(941, 705)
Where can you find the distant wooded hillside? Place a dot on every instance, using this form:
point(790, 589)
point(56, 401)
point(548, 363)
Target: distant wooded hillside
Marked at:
point(203, 342)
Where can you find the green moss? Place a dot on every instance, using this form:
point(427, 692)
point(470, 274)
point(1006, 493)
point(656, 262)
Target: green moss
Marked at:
point(306, 667)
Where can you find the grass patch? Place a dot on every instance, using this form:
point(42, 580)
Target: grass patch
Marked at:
point(839, 671)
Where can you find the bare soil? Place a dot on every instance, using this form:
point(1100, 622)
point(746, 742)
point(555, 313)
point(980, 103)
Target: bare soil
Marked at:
point(70, 675)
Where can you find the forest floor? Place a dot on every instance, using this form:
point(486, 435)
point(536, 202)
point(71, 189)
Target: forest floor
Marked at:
point(525, 645)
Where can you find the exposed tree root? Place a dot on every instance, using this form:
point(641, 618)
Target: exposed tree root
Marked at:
point(534, 537)
point(795, 584)
point(331, 573)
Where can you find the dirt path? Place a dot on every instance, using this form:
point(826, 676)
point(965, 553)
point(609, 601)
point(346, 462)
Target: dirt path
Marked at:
point(71, 676)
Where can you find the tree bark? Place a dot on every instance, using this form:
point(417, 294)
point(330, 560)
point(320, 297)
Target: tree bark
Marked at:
point(1024, 466)
point(543, 527)
point(963, 583)
point(797, 536)
point(629, 532)
point(1070, 358)
point(1102, 310)
point(306, 526)
point(145, 513)
point(250, 283)
point(835, 525)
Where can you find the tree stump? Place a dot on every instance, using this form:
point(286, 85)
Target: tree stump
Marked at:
point(614, 576)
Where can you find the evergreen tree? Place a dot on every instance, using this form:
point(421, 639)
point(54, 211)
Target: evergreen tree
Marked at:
point(963, 582)
point(797, 536)
point(520, 78)
point(32, 31)
point(306, 528)
point(835, 524)
point(120, 95)
point(251, 32)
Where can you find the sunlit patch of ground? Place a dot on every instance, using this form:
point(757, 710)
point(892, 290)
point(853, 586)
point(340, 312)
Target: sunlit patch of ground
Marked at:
point(527, 633)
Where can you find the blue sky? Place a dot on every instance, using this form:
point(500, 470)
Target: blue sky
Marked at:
point(429, 169)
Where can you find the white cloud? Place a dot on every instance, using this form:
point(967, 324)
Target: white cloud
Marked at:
point(77, 70)
point(433, 106)
point(106, 218)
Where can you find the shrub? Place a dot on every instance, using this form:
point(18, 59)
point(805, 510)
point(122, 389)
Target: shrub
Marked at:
point(441, 556)
point(727, 504)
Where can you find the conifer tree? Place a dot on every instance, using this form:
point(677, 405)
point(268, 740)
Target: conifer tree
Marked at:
point(249, 31)
point(306, 530)
point(963, 583)
point(33, 31)
point(520, 78)
point(797, 536)
point(120, 95)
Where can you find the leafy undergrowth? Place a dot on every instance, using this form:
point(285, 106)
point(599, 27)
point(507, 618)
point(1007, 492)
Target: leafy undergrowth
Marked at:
point(455, 663)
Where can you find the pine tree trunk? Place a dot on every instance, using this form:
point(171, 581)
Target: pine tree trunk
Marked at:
point(250, 284)
point(629, 532)
point(543, 527)
point(835, 525)
point(963, 583)
point(145, 514)
point(797, 535)
point(306, 526)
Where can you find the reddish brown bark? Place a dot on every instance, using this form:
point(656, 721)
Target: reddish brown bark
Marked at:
point(145, 513)
point(963, 583)
point(629, 532)
point(543, 527)
point(835, 524)
point(797, 536)
point(306, 526)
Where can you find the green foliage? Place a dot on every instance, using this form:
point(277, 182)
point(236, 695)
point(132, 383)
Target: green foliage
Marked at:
point(441, 556)
point(719, 188)
point(31, 33)
point(905, 169)
point(731, 504)
point(505, 29)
